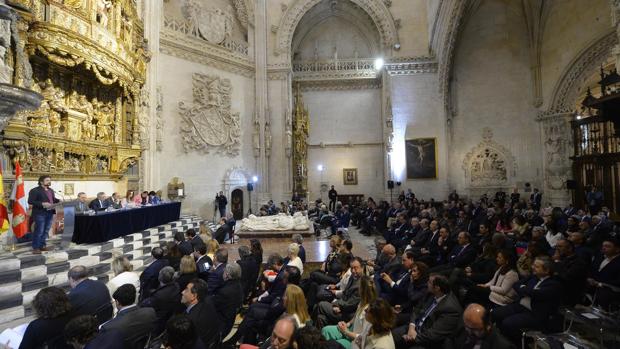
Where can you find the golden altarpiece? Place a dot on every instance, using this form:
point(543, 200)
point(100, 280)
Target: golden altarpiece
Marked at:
point(88, 59)
point(301, 129)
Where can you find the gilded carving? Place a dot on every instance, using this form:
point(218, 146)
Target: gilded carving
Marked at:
point(208, 122)
point(300, 144)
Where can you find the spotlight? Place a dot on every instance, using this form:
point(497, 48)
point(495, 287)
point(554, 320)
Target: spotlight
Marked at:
point(254, 179)
point(320, 168)
point(397, 46)
point(379, 63)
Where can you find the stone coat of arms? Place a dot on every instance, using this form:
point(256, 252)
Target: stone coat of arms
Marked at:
point(208, 122)
point(214, 24)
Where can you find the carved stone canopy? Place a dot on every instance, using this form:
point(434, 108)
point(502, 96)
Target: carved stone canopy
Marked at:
point(489, 164)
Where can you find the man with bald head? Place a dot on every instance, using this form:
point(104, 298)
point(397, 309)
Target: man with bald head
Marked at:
point(479, 332)
point(88, 297)
point(282, 335)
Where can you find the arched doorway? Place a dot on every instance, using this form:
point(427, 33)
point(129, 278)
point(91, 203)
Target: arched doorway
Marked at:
point(236, 203)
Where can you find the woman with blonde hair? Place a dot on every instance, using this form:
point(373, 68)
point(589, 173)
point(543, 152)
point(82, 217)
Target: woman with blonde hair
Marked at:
point(295, 305)
point(123, 274)
point(346, 332)
point(293, 257)
point(187, 272)
point(205, 233)
point(212, 247)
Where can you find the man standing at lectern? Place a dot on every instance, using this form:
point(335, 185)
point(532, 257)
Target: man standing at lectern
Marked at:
point(42, 199)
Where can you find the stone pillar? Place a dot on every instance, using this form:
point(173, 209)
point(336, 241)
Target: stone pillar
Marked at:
point(261, 106)
point(615, 16)
point(557, 143)
point(149, 169)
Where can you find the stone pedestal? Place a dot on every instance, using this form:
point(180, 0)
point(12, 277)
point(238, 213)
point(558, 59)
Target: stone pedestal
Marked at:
point(14, 99)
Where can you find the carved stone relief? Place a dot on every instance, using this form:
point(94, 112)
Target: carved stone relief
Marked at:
point(159, 135)
point(557, 146)
point(489, 164)
point(213, 24)
point(208, 122)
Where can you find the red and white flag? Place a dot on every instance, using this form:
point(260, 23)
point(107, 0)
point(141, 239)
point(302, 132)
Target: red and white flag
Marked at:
point(19, 223)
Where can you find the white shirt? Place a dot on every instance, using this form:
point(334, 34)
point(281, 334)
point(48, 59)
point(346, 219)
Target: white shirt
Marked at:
point(127, 277)
point(605, 262)
point(296, 262)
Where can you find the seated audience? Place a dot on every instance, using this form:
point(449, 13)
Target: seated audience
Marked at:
point(201, 311)
point(228, 299)
point(203, 262)
point(497, 291)
point(605, 274)
point(293, 257)
point(249, 270)
point(215, 278)
point(173, 255)
point(135, 324)
point(395, 285)
point(83, 332)
point(223, 232)
point(435, 321)
point(165, 299)
point(376, 333)
point(185, 247)
point(346, 302)
point(331, 268)
point(187, 272)
point(89, 297)
point(479, 331)
point(541, 295)
point(181, 333)
point(53, 310)
point(416, 293)
point(123, 274)
point(299, 240)
point(571, 270)
point(346, 331)
point(194, 239)
point(149, 277)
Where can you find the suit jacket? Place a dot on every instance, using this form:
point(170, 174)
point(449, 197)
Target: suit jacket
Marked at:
point(203, 265)
point(149, 277)
point(221, 232)
point(98, 205)
point(572, 272)
point(249, 274)
point(493, 340)
point(399, 293)
point(422, 237)
point(108, 340)
point(110, 202)
point(215, 279)
point(196, 242)
point(81, 207)
point(461, 256)
point(91, 297)
point(227, 300)
point(36, 197)
point(350, 297)
point(545, 299)
point(206, 320)
point(166, 301)
point(134, 323)
point(442, 322)
point(186, 248)
point(608, 275)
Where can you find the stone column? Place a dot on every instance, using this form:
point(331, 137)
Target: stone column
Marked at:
point(615, 16)
point(557, 143)
point(149, 170)
point(261, 97)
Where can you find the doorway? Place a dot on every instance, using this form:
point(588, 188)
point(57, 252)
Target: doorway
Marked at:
point(236, 199)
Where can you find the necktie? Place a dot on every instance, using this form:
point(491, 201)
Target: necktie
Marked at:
point(428, 311)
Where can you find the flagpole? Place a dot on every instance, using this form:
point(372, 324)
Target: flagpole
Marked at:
point(10, 237)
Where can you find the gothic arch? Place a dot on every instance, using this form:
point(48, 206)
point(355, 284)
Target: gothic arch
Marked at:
point(585, 64)
point(377, 10)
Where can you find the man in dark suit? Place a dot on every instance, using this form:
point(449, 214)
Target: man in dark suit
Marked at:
point(421, 238)
point(113, 201)
point(149, 277)
point(194, 239)
point(222, 232)
point(99, 204)
point(201, 310)
point(346, 302)
point(185, 247)
point(479, 331)
point(203, 262)
point(571, 270)
point(135, 324)
point(249, 270)
point(333, 198)
point(165, 299)
point(396, 285)
point(460, 257)
point(89, 297)
point(605, 274)
point(215, 278)
point(81, 205)
point(435, 321)
point(82, 332)
point(536, 199)
point(541, 296)
point(229, 298)
point(41, 198)
point(599, 232)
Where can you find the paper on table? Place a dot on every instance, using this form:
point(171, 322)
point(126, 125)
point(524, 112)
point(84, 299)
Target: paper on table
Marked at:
point(12, 337)
point(590, 316)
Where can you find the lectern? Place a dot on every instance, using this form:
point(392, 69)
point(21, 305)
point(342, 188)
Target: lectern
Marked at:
point(68, 209)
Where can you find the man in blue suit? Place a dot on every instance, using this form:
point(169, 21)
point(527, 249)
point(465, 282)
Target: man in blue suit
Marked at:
point(149, 277)
point(99, 204)
point(215, 278)
point(89, 297)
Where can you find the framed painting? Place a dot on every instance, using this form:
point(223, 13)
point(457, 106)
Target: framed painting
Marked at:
point(349, 176)
point(421, 155)
point(69, 189)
